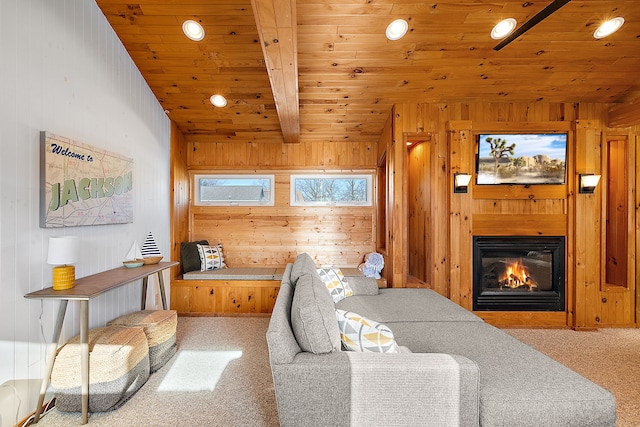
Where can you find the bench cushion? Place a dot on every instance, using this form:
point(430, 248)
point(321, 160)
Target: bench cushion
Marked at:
point(237, 273)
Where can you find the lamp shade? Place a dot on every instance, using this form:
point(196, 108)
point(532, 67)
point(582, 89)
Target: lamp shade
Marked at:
point(588, 183)
point(462, 179)
point(63, 250)
point(461, 182)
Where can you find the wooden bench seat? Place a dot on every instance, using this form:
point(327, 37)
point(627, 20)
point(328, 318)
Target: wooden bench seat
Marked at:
point(233, 291)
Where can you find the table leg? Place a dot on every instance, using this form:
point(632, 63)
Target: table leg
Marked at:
point(162, 294)
point(51, 356)
point(143, 303)
point(84, 357)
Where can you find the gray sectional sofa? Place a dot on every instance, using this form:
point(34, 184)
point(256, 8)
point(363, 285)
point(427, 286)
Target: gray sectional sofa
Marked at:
point(453, 369)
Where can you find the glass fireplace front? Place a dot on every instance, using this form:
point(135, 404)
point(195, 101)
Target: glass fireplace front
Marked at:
point(516, 273)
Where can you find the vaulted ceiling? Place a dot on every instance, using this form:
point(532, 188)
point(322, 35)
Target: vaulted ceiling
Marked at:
point(323, 70)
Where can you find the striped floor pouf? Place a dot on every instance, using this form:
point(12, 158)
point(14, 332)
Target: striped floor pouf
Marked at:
point(118, 367)
point(160, 329)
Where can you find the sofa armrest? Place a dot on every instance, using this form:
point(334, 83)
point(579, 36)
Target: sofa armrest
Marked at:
point(362, 285)
point(413, 389)
point(313, 390)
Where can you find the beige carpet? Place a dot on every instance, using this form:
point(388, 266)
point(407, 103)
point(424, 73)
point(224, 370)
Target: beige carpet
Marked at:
point(221, 377)
point(609, 357)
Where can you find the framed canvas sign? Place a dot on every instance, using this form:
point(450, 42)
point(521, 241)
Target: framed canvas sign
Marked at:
point(83, 185)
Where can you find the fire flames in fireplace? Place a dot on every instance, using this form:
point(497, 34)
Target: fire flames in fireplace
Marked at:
point(516, 275)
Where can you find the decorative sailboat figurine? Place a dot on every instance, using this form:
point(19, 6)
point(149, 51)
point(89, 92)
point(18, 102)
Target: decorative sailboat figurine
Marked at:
point(150, 251)
point(134, 256)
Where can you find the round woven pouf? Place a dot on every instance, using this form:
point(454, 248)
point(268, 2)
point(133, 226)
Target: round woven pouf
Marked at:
point(118, 367)
point(160, 329)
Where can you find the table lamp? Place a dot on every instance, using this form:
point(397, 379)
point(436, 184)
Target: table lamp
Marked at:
point(63, 250)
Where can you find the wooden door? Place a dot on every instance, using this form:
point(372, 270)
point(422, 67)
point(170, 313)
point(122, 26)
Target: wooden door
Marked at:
point(618, 239)
point(617, 214)
point(419, 212)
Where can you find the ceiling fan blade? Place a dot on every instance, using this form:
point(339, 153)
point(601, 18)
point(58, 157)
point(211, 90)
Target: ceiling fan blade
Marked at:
point(535, 20)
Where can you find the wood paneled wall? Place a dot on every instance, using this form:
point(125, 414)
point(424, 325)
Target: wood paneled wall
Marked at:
point(511, 210)
point(270, 235)
point(343, 155)
point(275, 235)
point(179, 195)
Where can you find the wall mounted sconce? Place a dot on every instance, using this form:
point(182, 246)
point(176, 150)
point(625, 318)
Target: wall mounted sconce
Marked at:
point(588, 183)
point(63, 251)
point(461, 182)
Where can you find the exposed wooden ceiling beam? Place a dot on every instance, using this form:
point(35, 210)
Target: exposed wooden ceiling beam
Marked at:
point(535, 20)
point(277, 27)
point(624, 115)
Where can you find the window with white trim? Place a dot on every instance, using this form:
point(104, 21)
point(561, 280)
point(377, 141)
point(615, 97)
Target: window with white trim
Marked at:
point(331, 190)
point(233, 190)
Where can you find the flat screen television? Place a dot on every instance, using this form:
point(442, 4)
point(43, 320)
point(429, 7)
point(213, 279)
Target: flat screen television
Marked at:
point(521, 158)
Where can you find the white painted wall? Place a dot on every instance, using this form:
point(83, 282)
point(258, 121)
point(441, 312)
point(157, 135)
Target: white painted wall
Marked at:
point(63, 70)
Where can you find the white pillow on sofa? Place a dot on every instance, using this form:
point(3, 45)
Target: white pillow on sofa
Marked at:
point(358, 333)
point(335, 282)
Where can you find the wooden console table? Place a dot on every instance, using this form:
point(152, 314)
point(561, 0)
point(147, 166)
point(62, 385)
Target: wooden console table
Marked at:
point(85, 289)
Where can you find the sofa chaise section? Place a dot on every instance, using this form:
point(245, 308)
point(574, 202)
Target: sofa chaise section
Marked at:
point(518, 384)
point(454, 370)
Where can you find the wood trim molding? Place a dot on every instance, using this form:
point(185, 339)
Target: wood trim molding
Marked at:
point(520, 192)
point(520, 224)
point(530, 126)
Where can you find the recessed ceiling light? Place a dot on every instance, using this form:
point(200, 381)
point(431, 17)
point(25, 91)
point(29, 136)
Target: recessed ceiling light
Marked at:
point(218, 100)
point(193, 30)
point(397, 29)
point(609, 27)
point(503, 28)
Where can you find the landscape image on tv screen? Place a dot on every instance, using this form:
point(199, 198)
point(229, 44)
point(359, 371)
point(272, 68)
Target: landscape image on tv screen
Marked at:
point(521, 158)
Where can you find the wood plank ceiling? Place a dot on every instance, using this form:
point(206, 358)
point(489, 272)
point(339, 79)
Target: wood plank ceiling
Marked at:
point(349, 75)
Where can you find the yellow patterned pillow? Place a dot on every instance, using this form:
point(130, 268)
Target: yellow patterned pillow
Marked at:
point(358, 333)
point(336, 283)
